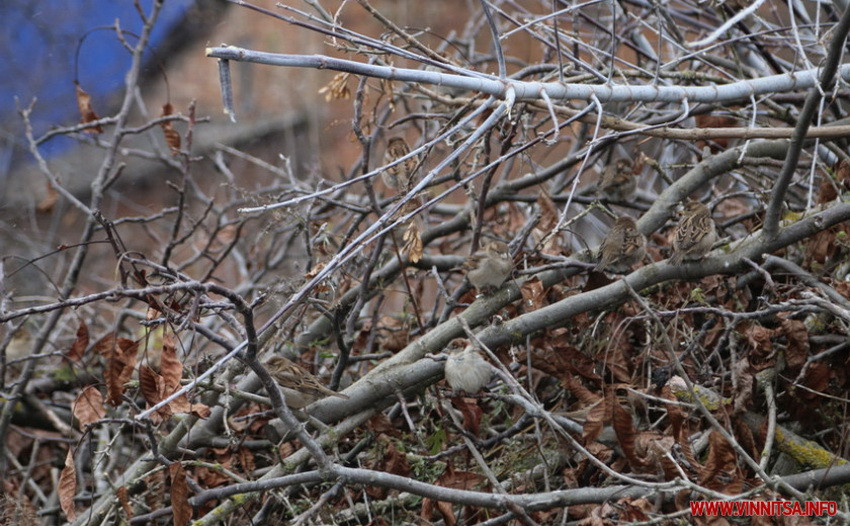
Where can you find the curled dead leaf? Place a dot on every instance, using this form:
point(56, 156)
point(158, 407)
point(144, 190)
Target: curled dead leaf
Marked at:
point(88, 406)
point(87, 114)
point(68, 487)
point(171, 368)
point(180, 507)
point(533, 294)
point(797, 350)
point(46, 205)
point(172, 138)
point(124, 498)
point(842, 173)
point(149, 382)
point(548, 213)
point(81, 342)
point(121, 361)
point(413, 245)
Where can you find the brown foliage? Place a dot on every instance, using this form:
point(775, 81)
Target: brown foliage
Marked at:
point(68, 487)
point(81, 343)
point(180, 507)
point(87, 113)
point(172, 137)
point(88, 407)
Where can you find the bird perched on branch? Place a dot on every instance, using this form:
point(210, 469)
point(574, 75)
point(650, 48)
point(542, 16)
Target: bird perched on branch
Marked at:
point(695, 235)
point(401, 176)
point(466, 370)
point(618, 181)
point(622, 248)
point(299, 386)
point(487, 269)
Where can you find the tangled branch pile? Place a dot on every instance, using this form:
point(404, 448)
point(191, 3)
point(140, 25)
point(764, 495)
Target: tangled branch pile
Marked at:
point(502, 152)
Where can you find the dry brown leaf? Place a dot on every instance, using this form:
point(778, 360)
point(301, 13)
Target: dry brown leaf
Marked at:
point(105, 345)
point(619, 358)
point(395, 462)
point(533, 294)
point(246, 460)
point(88, 407)
point(78, 348)
point(155, 496)
point(655, 450)
point(210, 478)
point(797, 351)
point(548, 213)
point(585, 395)
point(826, 191)
point(68, 487)
point(471, 412)
point(119, 368)
point(745, 438)
point(447, 511)
point(463, 480)
point(124, 498)
point(381, 424)
point(152, 313)
point(625, 431)
point(678, 422)
point(171, 368)
point(87, 114)
point(714, 121)
point(821, 245)
point(224, 238)
point(172, 138)
point(46, 205)
point(413, 245)
point(761, 339)
point(200, 410)
point(394, 335)
point(720, 464)
point(180, 506)
point(635, 510)
point(391, 461)
point(445, 508)
point(842, 173)
point(597, 416)
point(155, 387)
point(149, 382)
point(816, 380)
point(180, 404)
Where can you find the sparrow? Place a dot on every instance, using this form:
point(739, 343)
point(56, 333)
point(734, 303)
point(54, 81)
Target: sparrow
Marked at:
point(466, 370)
point(400, 176)
point(299, 387)
point(622, 248)
point(695, 235)
point(488, 268)
point(618, 181)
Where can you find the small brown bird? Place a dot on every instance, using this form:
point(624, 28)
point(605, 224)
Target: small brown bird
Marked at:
point(695, 235)
point(622, 248)
point(488, 269)
point(466, 370)
point(401, 176)
point(618, 181)
point(299, 386)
